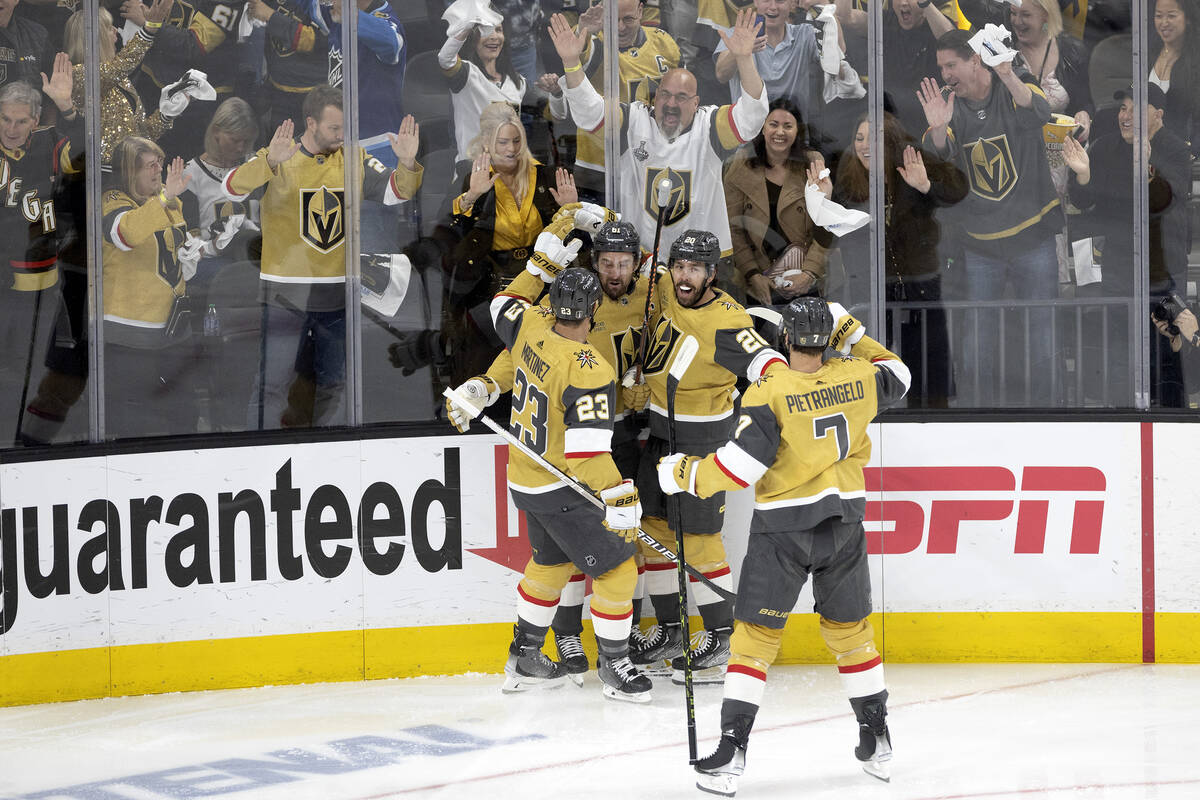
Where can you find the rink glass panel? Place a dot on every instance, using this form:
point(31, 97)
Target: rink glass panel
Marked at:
point(1073, 347)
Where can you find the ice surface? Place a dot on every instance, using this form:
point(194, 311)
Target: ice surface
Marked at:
point(960, 731)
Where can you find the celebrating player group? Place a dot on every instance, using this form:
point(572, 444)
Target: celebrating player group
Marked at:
point(641, 393)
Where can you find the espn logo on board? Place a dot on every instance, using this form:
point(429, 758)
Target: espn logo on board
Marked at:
point(928, 504)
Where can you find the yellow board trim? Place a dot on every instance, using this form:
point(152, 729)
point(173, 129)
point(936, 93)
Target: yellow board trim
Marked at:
point(1177, 638)
point(452, 649)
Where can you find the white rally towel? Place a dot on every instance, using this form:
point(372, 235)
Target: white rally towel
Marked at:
point(831, 54)
point(989, 43)
point(841, 79)
point(831, 216)
point(472, 12)
point(385, 278)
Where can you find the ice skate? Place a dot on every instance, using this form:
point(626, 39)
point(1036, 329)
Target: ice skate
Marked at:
point(652, 653)
point(710, 654)
point(874, 748)
point(528, 667)
point(572, 657)
point(719, 772)
point(622, 681)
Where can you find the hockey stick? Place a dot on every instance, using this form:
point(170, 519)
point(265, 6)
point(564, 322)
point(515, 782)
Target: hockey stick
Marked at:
point(683, 359)
point(663, 196)
point(649, 540)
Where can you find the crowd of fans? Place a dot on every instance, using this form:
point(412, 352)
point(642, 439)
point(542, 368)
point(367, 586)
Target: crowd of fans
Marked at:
point(1009, 271)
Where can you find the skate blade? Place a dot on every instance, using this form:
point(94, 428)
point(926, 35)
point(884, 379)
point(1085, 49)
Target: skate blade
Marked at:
point(627, 697)
point(659, 669)
point(700, 676)
point(522, 683)
point(723, 784)
point(880, 765)
point(575, 678)
point(878, 769)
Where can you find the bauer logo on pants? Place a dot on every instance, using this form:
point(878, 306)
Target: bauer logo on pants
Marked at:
point(322, 223)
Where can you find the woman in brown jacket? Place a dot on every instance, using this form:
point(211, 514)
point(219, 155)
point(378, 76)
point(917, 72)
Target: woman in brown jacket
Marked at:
point(778, 253)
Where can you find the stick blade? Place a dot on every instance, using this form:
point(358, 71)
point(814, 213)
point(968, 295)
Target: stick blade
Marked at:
point(683, 356)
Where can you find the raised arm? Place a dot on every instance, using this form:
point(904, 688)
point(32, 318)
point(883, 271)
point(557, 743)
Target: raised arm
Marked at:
point(740, 43)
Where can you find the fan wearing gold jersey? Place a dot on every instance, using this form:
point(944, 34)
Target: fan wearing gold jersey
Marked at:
point(615, 334)
point(801, 440)
point(564, 395)
point(147, 363)
point(687, 303)
point(303, 276)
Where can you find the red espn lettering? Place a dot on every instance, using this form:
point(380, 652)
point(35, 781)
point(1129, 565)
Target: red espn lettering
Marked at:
point(945, 515)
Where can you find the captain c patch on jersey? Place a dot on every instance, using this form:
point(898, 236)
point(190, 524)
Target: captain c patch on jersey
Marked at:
point(322, 222)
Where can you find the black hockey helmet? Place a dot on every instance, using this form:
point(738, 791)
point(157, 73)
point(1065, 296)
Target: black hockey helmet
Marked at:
point(617, 237)
point(807, 322)
point(701, 246)
point(574, 294)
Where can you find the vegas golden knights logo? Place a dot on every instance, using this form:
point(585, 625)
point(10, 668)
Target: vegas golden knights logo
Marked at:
point(626, 345)
point(991, 169)
point(169, 241)
point(322, 223)
point(679, 203)
point(662, 342)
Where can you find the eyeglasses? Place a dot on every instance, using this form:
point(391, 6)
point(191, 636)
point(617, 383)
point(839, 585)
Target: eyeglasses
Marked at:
point(679, 97)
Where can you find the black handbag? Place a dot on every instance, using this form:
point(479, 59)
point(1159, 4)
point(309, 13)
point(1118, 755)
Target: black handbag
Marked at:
point(179, 320)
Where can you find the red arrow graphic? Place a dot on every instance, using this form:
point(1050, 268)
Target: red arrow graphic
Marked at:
point(510, 551)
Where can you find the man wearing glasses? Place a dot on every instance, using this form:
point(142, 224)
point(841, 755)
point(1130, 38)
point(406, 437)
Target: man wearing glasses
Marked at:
point(675, 139)
point(645, 55)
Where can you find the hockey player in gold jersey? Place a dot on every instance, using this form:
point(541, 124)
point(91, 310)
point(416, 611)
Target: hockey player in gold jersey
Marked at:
point(801, 440)
point(616, 331)
point(564, 395)
point(687, 303)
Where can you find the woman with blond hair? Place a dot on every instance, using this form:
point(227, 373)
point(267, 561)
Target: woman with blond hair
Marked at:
point(506, 200)
point(147, 358)
point(1057, 60)
point(121, 110)
point(228, 142)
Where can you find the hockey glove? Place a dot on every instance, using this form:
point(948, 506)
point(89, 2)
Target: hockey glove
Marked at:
point(551, 256)
point(677, 473)
point(846, 329)
point(622, 509)
point(586, 216)
point(590, 217)
point(478, 393)
point(634, 393)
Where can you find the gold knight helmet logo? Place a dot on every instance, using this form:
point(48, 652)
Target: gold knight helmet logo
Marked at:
point(322, 221)
point(658, 350)
point(991, 171)
point(679, 202)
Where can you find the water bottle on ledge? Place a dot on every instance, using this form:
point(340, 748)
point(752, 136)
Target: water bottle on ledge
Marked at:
point(212, 323)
